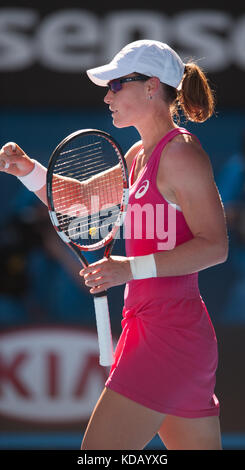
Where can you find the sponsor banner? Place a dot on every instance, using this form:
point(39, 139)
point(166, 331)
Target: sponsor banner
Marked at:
point(49, 375)
point(45, 51)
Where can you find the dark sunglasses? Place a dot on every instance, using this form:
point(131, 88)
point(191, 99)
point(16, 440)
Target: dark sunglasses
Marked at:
point(116, 85)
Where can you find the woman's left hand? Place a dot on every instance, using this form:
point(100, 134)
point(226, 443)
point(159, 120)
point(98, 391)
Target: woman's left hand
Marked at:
point(107, 273)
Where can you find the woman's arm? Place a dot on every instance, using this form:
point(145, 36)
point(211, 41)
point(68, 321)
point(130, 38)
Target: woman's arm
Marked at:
point(188, 171)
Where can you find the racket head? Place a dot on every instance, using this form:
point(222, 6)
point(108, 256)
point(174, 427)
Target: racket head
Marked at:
point(87, 189)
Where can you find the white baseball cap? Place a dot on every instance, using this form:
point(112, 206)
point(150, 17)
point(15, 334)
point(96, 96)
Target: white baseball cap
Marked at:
point(148, 57)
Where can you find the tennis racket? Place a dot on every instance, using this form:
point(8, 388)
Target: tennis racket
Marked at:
point(87, 195)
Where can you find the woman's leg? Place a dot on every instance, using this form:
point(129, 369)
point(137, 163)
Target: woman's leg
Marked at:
point(191, 434)
point(120, 423)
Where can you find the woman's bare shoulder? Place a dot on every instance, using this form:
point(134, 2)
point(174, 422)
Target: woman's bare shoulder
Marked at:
point(185, 155)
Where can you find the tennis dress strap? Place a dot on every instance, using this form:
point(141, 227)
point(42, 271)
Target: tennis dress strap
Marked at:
point(153, 162)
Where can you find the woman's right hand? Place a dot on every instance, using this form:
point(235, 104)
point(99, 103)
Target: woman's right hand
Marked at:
point(14, 161)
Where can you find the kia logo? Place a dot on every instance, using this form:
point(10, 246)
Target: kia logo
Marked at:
point(50, 374)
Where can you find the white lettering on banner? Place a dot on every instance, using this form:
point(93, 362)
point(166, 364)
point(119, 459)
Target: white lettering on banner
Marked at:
point(74, 40)
point(66, 41)
point(238, 41)
point(122, 25)
point(17, 49)
point(195, 31)
point(49, 374)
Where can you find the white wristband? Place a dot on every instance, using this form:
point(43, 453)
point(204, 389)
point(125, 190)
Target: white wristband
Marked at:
point(36, 179)
point(143, 267)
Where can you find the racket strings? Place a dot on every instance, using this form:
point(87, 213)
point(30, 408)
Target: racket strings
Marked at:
point(106, 188)
point(87, 229)
point(80, 223)
point(82, 213)
point(93, 202)
point(60, 180)
point(87, 166)
point(85, 147)
point(88, 162)
point(87, 192)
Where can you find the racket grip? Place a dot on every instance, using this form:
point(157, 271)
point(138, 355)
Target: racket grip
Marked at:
point(104, 330)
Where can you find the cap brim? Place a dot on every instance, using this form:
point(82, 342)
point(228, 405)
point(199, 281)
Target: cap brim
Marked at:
point(102, 75)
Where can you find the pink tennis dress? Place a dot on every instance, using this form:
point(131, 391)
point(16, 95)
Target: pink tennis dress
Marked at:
point(166, 356)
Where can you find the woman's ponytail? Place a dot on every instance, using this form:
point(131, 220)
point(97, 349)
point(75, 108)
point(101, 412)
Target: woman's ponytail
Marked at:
point(195, 97)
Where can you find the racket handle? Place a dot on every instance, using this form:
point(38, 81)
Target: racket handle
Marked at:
point(104, 330)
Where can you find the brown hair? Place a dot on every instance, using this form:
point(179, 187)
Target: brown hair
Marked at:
point(196, 99)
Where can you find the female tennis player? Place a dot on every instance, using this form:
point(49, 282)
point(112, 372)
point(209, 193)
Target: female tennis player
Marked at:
point(163, 376)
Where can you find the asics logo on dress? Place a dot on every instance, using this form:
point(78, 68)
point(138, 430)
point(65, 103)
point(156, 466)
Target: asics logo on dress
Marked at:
point(142, 190)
